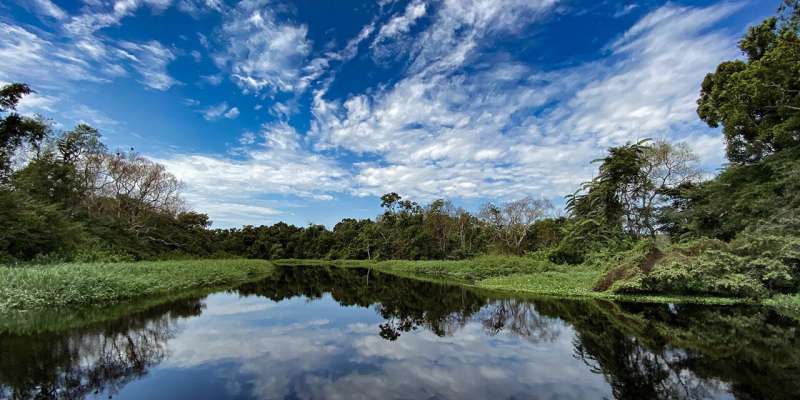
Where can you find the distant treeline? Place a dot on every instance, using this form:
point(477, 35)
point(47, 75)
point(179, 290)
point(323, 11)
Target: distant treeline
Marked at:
point(64, 195)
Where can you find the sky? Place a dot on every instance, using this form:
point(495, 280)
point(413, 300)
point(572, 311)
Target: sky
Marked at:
point(307, 111)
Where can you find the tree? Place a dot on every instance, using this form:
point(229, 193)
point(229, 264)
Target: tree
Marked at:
point(16, 130)
point(757, 101)
point(666, 167)
point(630, 189)
point(149, 184)
point(604, 208)
point(741, 197)
point(66, 170)
point(468, 231)
point(30, 227)
point(511, 221)
point(438, 225)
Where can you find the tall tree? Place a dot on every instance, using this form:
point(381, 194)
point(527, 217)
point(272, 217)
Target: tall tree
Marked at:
point(16, 130)
point(757, 100)
point(512, 221)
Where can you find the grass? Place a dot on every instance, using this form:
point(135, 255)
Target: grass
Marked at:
point(96, 284)
point(58, 319)
point(46, 289)
point(531, 276)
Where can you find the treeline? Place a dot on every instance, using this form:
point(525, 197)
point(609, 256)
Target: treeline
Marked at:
point(65, 196)
point(405, 230)
point(74, 199)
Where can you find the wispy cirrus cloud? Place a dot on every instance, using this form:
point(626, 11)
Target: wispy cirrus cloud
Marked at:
point(45, 8)
point(497, 132)
point(78, 53)
point(274, 160)
point(400, 24)
point(218, 111)
point(261, 53)
point(25, 53)
point(151, 60)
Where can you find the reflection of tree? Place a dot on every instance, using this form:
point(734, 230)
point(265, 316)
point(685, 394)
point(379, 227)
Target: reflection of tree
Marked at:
point(520, 318)
point(633, 371)
point(643, 351)
point(76, 363)
point(405, 304)
point(685, 352)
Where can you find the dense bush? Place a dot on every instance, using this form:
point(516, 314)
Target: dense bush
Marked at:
point(30, 228)
point(741, 196)
point(752, 265)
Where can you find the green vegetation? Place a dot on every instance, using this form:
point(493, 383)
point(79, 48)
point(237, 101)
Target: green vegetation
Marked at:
point(756, 100)
point(55, 320)
point(644, 351)
point(59, 285)
point(527, 276)
point(646, 224)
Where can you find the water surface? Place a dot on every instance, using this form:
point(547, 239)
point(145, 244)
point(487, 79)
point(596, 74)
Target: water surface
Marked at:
point(325, 333)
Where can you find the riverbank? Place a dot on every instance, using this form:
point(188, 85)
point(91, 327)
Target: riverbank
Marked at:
point(95, 284)
point(37, 288)
point(526, 276)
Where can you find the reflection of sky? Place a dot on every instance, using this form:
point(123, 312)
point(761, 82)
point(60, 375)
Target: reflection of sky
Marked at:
point(250, 347)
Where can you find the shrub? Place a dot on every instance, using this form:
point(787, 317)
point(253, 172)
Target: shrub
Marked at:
point(752, 266)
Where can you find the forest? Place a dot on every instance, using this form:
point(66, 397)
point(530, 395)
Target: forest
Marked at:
point(650, 219)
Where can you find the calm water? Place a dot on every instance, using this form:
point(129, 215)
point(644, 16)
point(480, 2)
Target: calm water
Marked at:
point(349, 334)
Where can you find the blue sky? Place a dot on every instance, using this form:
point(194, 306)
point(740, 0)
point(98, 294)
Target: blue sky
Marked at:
point(307, 111)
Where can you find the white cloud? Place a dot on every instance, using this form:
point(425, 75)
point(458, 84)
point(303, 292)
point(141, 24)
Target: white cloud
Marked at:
point(151, 60)
point(35, 103)
point(45, 8)
point(78, 55)
point(274, 161)
point(505, 130)
point(625, 10)
point(402, 23)
point(244, 212)
point(460, 26)
point(220, 110)
point(196, 8)
point(212, 80)
point(232, 113)
point(247, 138)
point(654, 86)
point(100, 16)
point(351, 49)
point(25, 53)
point(261, 53)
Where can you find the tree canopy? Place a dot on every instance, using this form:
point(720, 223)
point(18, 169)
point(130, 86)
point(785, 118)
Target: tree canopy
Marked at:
point(757, 100)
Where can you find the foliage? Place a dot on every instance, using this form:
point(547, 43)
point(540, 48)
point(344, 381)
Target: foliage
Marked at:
point(36, 287)
point(626, 199)
point(754, 265)
point(644, 224)
point(512, 222)
point(757, 100)
point(75, 200)
point(16, 130)
point(741, 196)
point(30, 228)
